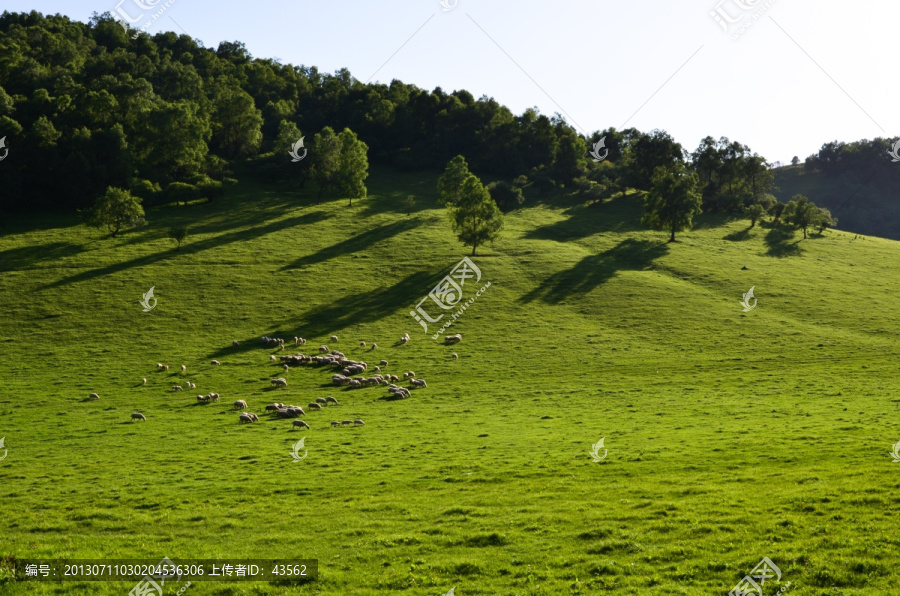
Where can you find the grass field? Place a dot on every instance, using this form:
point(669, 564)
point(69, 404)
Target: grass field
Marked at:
point(731, 436)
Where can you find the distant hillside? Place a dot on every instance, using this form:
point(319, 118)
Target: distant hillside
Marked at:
point(858, 182)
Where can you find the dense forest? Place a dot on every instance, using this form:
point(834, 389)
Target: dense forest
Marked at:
point(84, 107)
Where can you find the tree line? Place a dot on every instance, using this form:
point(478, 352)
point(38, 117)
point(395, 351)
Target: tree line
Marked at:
point(86, 109)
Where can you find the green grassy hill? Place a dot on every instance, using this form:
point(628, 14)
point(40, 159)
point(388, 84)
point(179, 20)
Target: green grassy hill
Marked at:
point(731, 436)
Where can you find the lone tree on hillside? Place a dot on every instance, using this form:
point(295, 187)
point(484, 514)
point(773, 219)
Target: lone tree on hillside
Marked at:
point(824, 220)
point(801, 213)
point(178, 234)
point(353, 166)
point(326, 159)
point(754, 212)
point(673, 200)
point(451, 181)
point(116, 210)
point(474, 215)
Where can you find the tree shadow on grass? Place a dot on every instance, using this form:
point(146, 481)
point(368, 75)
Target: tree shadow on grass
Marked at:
point(738, 236)
point(778, 240)
point(24, 257)
point(194, 247)
point(361, 308)
point(357, 243)
point(594, 270)
point(621, 214)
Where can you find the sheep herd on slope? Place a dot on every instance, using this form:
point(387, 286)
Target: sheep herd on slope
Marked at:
point(349, 376)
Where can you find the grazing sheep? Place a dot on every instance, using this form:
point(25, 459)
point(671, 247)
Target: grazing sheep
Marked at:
point(453, 339)
point(183, 368)
point(362, 344)
point(138, 416)
point(286, 367)
point(240, 404)
point(454, 355)
point(335, 423)
point(280, 382)
point(358, 422)
point(145, 381)
point(234, 343)
point(215, 363)
point(177, 388)
point(160, 366)
point(165, 367)
point(355, 383)
point(253, 416)
point(346, 422)
point(314, 406)
point(334, 338)
point(94, 396)
point(321, 400)
point(331, 400)
point(383, 363)
point(324, 349)
point(419, 383)
point(244, 418)
point(378, 369)
point(213, 396)
point(374, 347)
point(395, 378)
point(273, 407)
point(203, 398)
point(301, 424)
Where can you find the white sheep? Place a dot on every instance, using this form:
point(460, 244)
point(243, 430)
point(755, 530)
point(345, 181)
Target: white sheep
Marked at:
point(301, 424)
point(419, 383)
point(183, 368)
point(213, 396)
point(240, 404)
point(279, 382)
point(203, 398)
point(314, 406)
point(94, 396)
point(362, 344)
point(138, 416)
point(244, 418)
point(234, 343)
point(383, 363)
point(358, 422)
point(177, 388)
point(453, 339)
point(334, 338)
point(273, 358)
point(335, 423)
point(374, 347)
point(145, 381)
point(346, 422)
point(331, 400)
point(215, 363)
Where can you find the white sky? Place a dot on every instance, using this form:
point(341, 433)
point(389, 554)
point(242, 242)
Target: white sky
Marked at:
point(596, 61)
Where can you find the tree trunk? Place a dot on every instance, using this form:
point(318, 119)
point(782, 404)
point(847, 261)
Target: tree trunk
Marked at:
point(672, 237)
point(474, 246)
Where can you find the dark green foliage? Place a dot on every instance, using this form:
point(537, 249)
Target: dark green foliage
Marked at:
point(116, 210)
point(474, 215)
point(506, 195)
point(673, 200)
point(177, 233)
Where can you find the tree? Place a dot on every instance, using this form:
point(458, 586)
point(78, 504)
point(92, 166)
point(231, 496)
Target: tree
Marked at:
point(823, 220)
point(801, 213)
point(673, 200)
point(776, 211)
point(475, 217)
point(236, 123)
point(505, 195)
point(116, 210)
point(795, 160)
point(410, 203)
point(177, 233)
point(353, 168)
point(326, 151)
point(755, 211)
point(451, 181)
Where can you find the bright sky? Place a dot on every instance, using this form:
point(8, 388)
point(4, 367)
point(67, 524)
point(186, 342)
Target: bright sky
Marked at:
point(802, 74)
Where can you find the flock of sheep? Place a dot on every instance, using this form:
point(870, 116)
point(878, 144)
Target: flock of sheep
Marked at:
point(349, 376)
